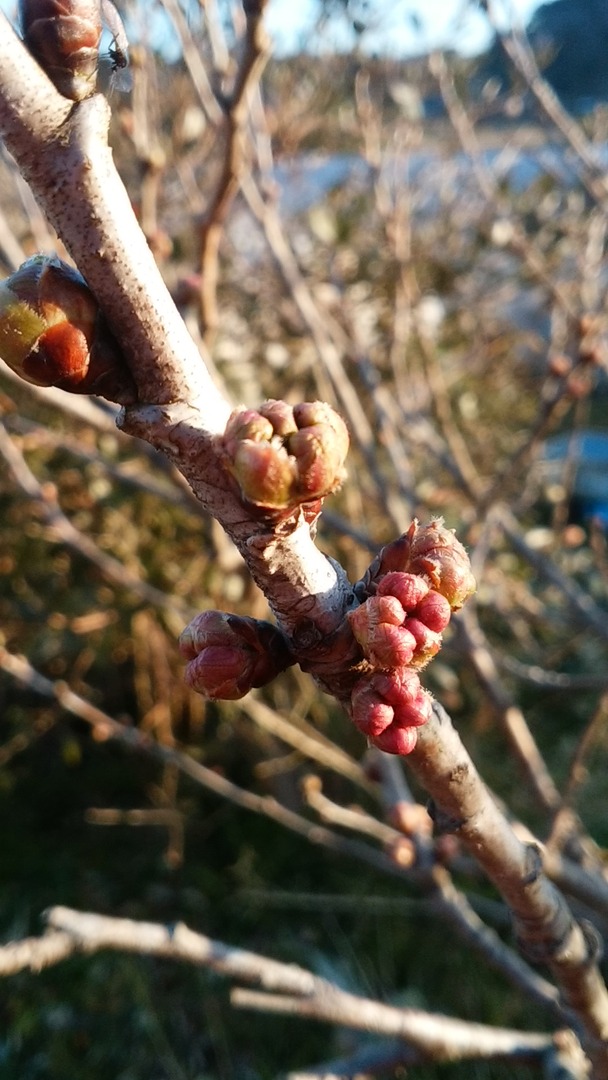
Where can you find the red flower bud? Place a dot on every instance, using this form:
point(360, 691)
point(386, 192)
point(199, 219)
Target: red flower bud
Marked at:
point(434, 611)
point(391, 638)
point(388, 707)
point(428, 643)
point(409, 589)
point(53, 334)
point(230, 654)
point(370, 712)
point(378, 627)
point(397, 740)
point(63, 36)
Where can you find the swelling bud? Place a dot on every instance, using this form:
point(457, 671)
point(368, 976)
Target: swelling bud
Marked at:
point(388, 707)
point(228, 655)
point(430, 551)
point(52, 333)
point(64, 36)
point(282, 457)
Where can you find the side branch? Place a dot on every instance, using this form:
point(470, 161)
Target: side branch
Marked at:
point(440, 1038)
point(544, 925)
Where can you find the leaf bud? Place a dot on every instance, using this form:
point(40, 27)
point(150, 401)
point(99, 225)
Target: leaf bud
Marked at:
point(281, 461)
point(64, 36)
point(52, 332)
point(230, 654)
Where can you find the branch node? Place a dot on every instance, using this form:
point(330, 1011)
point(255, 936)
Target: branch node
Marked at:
point(443, 821)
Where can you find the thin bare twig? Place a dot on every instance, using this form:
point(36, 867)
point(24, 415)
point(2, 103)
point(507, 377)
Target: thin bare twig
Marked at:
point(439, 1037)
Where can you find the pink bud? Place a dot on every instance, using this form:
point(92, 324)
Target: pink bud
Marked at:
point(378, 609)
point(434, 611)
point(428, 643)
point(397, 740)
point(369, 712)
point(436, 552)
point(378, 627)
point(311, 413)
point(246, 424)
point(280, 415)
point(265, 473)
point(281, 458)
point(220, 672)
point(230, 654)
point(401, 688)
point(431, 552)
point(408, 588)
point(388, 707)
point(391, 646)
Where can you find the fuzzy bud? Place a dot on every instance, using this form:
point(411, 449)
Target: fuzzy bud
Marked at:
point(230, 654)
point(378, 626)
point(401, 627)
point(281, 417)
point(434, 611)
point(409, 589)
point(282, 457)
point(434, 553)
point(388, 707)
point(64, 36)
point(265, 474)
point(53, 334)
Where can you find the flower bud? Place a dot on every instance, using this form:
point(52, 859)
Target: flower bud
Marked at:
point(392, 638)
point(53, 334)
point(370, 712)
point(378, 627)
point(434, 611)
point(264, 473)
point(281, 417)
point(409, 589)
point(434, 553)
point(313, 413)
point(319, 459)
point(230, 654)
point(246, 424)
point(279, 460)
point(388, 707)
point(397, 740)
point(63, 36)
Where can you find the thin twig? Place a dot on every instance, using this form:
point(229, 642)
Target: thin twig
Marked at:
point(440, 1037)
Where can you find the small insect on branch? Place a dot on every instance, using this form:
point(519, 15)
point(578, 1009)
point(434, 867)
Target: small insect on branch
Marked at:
point(119, 49)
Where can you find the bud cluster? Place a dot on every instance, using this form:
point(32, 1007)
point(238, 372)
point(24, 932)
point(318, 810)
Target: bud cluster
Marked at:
point(431, 551)
point(410, 590)
point(283, 455)
point(52, 332)
point(230, 654)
